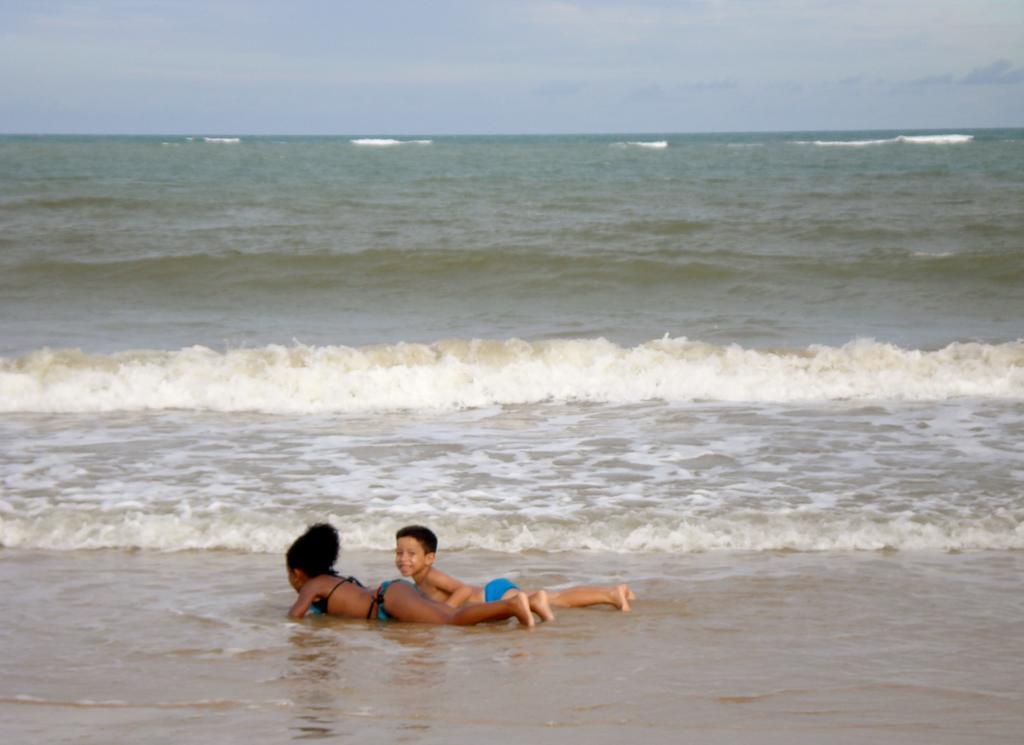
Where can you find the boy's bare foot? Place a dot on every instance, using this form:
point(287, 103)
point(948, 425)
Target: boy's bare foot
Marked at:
point(623, 595)
point(539, 605)
point(522, 609)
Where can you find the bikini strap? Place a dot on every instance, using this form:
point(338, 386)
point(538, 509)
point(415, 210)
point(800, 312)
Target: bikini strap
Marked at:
point(377, 603)
point(326, 600)
point(353, 580)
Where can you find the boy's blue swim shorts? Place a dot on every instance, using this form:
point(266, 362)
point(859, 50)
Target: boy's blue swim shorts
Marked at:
point(496, 588)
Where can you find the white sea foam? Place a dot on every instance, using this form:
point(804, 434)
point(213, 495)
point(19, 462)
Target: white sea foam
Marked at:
point(67, 529)
point(653, 145)
point(475, 373)
point(952, 139)
point(223, 140)
point(389, 142)
point(936, 139)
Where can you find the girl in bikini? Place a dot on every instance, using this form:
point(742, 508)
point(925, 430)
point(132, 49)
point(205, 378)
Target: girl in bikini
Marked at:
point(310, 562)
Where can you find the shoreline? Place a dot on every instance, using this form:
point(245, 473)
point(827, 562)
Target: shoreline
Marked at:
point(766, 648)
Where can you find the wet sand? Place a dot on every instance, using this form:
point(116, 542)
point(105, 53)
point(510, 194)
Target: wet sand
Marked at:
point(111, 647)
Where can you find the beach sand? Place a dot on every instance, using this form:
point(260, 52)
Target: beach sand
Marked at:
point(118, 647)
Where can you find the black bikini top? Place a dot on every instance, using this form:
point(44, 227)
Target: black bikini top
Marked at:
point(321, 604)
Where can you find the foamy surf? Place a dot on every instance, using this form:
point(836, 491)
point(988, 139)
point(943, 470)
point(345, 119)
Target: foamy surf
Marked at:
point(461, 374)
point(73, 528)
point(223, 140)
point(953, 139)
point(652, 145)
point(371, 142)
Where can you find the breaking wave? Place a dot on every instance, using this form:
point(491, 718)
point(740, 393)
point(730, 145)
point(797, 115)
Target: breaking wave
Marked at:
point(459, 374)
point(389, 142)
point(910, 139)
point(653, 145)
point(68, 528)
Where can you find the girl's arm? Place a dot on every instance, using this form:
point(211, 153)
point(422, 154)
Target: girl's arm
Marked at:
point(307, 595)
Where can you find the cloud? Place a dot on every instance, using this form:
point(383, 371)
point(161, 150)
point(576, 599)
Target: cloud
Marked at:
point(647, 94)
point(1000, 72)
point(933, 80)
point(852, 81)
point(713, 85)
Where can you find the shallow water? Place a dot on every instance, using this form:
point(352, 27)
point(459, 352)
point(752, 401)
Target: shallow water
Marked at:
point(642, 478)
point(729, 647)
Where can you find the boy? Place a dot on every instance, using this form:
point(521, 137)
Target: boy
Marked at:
point(416, 549)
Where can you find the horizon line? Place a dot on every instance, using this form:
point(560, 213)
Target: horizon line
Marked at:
point(209, 133)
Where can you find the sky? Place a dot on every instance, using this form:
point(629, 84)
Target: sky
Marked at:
point(508, 67)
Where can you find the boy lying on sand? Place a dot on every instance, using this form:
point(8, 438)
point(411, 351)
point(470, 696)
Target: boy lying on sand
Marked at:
point(416, 549)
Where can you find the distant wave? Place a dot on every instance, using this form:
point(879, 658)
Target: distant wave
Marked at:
point(432, 270)
point(475, 373)
point(367, 267)
point(654, 144)
point(389, 143)
point(68, 528)
point(911, 139)
point(223, 140)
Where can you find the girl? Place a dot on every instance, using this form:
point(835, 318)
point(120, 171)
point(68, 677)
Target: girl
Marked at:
point(310, 562)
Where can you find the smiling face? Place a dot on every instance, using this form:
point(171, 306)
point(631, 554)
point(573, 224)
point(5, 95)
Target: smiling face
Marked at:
point(411, 559)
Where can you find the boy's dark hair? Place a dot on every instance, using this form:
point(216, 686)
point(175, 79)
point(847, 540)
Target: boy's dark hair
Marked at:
point(425, 536)
point(315, 551)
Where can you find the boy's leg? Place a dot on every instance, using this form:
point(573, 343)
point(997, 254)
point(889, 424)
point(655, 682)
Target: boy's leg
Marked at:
point(579, 597)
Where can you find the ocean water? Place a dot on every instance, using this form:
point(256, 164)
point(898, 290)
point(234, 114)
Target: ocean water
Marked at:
point(774, 381)
point(621, 343)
